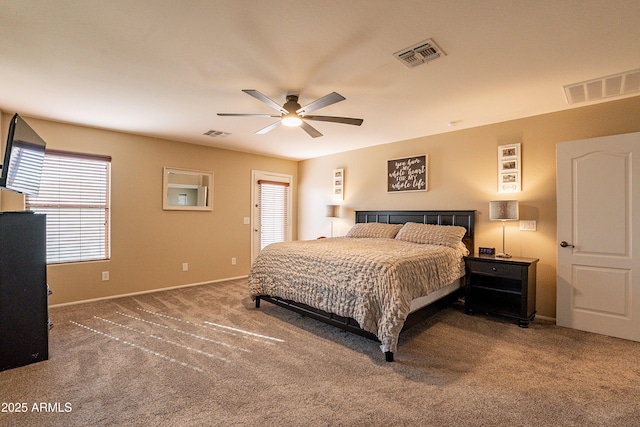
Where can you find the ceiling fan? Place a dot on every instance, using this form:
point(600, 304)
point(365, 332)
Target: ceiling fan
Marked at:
point(291, 114)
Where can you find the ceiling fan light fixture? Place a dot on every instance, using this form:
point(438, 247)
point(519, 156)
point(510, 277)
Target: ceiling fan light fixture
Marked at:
point(292, 115)
point(291, 120)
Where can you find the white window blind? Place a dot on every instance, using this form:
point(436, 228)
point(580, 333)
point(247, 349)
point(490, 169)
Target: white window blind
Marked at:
point(74, 194)
point(274, 212)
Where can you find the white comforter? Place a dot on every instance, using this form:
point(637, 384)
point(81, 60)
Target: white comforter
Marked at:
point(371, 280)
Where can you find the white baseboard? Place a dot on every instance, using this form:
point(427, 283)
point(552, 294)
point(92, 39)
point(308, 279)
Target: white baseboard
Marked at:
point(550, 319)
point(147, 292)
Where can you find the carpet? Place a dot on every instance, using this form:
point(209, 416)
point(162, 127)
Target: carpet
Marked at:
point(204, 355)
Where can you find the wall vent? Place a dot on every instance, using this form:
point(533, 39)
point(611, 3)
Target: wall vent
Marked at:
point(216, 133)
point(419, 54)
point(603, 87)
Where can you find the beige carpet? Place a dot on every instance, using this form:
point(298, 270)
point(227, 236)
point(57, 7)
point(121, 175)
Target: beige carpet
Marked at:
point(206, 356)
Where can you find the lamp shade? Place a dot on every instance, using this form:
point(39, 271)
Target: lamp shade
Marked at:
point(503, 210)
point(333, 211)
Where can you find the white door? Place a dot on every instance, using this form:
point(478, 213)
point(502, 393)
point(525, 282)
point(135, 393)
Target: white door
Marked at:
point(271, 215)
point(598, 192)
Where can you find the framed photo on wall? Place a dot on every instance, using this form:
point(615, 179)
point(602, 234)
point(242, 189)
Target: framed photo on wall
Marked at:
point(509, 168)
point(338, 184)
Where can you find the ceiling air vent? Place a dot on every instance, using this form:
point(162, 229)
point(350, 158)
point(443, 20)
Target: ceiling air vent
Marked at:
point(419, 54)
point(604, 87)
point(216, 133)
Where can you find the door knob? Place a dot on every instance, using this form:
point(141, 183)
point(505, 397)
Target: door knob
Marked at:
point(565, 244)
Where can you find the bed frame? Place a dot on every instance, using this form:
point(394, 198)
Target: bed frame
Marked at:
point(464, 219)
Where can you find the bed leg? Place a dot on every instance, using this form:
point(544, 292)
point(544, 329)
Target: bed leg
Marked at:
point(388, 355)
point(257, 302)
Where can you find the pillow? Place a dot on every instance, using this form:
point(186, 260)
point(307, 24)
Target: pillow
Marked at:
point(444, 235)
point(374, 229)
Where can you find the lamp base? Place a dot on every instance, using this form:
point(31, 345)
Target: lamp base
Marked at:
point(503, 255)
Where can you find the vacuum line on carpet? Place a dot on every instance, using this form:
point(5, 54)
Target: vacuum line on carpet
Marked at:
point(163, 315)
point(243, 331)
point(183, 332)
point(186, 347)
point(134, 345)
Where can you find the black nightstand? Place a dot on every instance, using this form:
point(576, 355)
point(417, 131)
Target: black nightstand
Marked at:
point(502, 286)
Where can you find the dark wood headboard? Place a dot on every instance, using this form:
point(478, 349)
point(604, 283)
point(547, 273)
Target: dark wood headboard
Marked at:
point(464, 219)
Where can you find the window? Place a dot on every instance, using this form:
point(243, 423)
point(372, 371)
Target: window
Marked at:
point(74, 194)
point(274, 212)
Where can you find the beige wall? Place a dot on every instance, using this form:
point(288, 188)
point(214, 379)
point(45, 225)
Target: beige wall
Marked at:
point(149, 244)
point(463, 175)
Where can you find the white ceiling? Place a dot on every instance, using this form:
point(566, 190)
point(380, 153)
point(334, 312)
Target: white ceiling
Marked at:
point(165, 68)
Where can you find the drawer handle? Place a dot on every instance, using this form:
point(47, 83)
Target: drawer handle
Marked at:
point(494, 269)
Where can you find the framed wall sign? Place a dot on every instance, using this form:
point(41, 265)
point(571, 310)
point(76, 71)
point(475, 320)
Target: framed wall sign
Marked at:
point(408, 174)
point(509, 168)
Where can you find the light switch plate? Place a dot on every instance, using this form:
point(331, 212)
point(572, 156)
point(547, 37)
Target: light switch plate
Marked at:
point(528, 225)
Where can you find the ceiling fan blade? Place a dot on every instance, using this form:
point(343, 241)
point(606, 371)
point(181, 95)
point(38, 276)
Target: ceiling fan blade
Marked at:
point(247, 115)
point(344, 120)
point(326, 100)
point(269, 128)
point(265, 99)
point(313, 132)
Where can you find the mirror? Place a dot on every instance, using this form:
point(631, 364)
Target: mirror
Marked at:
point(187, 190)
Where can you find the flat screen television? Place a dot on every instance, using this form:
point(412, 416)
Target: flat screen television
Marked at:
point(23, 158)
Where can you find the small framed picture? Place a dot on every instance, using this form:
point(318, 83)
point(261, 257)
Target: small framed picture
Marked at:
point(509, 165)
point(509, 168)
point(509, 151)
point(338, 184)
point(508, 178)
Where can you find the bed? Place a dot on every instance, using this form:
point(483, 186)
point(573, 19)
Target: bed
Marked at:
point(390, 271)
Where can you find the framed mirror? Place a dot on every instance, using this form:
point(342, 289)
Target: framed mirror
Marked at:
point(187, 190)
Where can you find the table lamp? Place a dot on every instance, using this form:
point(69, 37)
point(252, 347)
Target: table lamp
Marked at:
point(503, 210)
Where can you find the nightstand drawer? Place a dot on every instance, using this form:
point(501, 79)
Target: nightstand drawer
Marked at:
point(494, 269)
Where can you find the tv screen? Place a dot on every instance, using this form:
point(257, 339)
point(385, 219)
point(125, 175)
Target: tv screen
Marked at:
point(23, 158)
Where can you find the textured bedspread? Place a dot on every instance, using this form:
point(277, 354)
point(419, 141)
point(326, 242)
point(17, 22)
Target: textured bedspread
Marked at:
point(370, 280)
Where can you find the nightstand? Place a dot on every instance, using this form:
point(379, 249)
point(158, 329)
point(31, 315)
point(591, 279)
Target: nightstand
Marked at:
point(502, 286)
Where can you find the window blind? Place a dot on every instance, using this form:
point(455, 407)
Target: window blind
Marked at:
point(74, 194)
point(274, 212)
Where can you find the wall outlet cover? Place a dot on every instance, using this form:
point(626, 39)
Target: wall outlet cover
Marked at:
point(528, 225)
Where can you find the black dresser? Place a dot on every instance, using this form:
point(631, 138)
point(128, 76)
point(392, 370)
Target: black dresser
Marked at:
point(24, 320)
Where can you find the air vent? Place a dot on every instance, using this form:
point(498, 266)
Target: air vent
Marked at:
point(604, 87)
point(419, 54)
point(216, 133)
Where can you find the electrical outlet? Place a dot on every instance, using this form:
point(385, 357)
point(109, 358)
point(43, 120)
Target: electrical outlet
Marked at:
point(246, 220)
point(105, 276)
point(185, 266)
point(233, 261)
